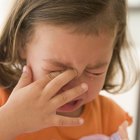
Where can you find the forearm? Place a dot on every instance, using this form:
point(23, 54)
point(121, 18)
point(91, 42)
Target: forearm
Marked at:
point(7, 125)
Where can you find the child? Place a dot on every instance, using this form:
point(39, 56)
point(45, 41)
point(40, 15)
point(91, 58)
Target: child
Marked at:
point(69, 51)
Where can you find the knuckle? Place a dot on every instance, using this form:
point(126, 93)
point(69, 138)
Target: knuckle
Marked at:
point(58, 84)
point(77, 90)
point(74, 122)
point(71, 122)
point(57, 122)
point(37, 85)
point(49, 77)
point(61, 122)
point(64, 97)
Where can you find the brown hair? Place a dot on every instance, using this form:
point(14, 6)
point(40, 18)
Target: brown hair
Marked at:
point(86, 16)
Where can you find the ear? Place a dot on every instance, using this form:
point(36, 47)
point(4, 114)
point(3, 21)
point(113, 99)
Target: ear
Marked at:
point(22, 52)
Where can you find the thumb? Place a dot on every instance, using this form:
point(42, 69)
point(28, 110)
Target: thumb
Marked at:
point(25, 79)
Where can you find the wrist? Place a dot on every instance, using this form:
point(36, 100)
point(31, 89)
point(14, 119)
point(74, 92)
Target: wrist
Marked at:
point(8, 127)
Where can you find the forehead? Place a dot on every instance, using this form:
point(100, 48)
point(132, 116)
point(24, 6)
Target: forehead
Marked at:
point(42, 31)
point(63, 45)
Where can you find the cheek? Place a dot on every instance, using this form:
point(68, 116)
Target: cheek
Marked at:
point(95, 86)
point(34, 59)
point(37, 71)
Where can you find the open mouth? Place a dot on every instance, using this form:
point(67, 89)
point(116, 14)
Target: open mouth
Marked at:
point(70, 106)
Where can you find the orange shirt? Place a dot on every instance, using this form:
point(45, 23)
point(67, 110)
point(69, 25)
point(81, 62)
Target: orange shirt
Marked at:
point(102, 116)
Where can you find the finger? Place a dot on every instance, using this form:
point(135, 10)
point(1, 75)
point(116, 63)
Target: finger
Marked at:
point(25, 79)
point(41, 83)
point(52, 75)
point(57, 83)
point(66, 121)
point(68, 96)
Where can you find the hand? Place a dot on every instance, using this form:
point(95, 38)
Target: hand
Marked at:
point(123, 131)
point(32, 105)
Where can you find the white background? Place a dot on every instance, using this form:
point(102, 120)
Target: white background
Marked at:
point(127, 100)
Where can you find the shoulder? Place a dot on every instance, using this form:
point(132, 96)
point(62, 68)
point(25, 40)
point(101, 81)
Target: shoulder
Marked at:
point(4, 94)
point(112, 114)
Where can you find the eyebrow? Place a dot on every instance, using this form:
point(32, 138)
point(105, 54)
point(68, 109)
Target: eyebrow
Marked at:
point(68, 65)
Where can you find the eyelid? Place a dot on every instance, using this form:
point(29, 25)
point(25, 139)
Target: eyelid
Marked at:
point(51, 70)
point(96, 74)
point(57, 72)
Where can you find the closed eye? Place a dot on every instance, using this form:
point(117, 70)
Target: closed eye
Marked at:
point(95, 74)
point(51, 71)
point(60, 71)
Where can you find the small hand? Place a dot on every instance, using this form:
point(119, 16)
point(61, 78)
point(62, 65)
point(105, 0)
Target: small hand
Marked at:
point(123, 131)
point(32, 105)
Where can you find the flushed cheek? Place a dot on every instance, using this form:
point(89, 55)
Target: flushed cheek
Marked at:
point(37, 72)
point(90, 95)
point(94, 89)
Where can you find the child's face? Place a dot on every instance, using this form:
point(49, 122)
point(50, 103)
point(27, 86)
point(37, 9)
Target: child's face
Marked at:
point(55, 49)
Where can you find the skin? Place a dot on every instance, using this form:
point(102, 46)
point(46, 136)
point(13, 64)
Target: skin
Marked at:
point(89, 55)
point(31, 101)
point(122, 131)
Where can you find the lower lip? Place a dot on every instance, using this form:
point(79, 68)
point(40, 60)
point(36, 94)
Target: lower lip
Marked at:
point(69, 107)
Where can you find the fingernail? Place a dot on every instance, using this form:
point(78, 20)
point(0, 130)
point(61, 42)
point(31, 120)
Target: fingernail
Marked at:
point(84, 86)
